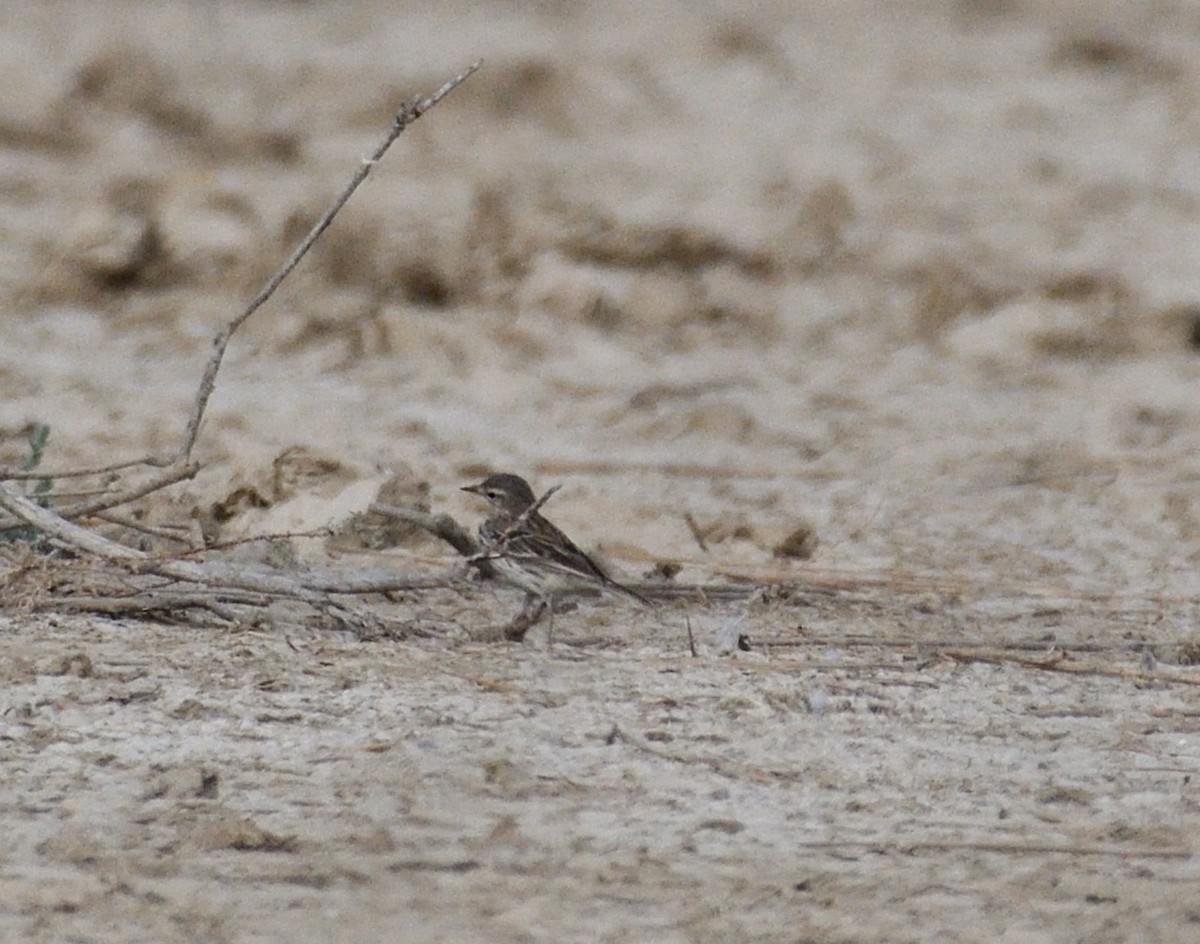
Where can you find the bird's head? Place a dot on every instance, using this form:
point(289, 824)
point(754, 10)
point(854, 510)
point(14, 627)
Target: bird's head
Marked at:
point(505, 491)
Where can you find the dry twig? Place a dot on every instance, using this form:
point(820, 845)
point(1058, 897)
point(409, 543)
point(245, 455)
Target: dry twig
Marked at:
point(885, 847)
point(59, 527)
point(408, 113)
point(440, 526)
point(1060, 662)
point(179, 465)
point(313, 588)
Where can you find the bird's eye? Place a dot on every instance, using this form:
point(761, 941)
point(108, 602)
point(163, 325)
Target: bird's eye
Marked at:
point(493, 493)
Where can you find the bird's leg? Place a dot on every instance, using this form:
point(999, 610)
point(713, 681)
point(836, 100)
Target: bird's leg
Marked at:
point(532, 611)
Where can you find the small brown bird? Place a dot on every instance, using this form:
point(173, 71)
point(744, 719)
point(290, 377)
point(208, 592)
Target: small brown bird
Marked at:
point(529, 552)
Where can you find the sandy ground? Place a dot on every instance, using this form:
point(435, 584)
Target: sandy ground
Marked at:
point(918, 279)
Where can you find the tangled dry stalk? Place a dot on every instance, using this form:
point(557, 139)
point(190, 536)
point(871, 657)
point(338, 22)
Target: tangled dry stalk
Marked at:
point(124, 580)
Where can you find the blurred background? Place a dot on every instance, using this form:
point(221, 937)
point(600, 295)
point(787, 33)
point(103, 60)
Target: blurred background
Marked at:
point(844, 288)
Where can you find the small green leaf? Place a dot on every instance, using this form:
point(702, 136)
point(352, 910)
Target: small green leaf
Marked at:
point(38, 437)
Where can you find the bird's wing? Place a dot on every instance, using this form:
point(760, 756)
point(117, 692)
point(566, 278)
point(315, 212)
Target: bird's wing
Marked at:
point(540, 544)
point(541, 540)
point(548, 545)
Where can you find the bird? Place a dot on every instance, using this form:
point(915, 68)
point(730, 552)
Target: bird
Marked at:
point(529, 552)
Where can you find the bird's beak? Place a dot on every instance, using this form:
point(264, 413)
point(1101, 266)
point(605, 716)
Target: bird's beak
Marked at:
point(473, 489)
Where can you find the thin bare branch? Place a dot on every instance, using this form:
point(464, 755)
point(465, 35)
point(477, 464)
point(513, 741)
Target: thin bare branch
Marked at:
point(440, 526)
point(126, 522)
point(169, 477)
point(256, 539)
point(21, 475)
point(56, 527)
point(1003, 848)
point(536, 506)
point(1061, 662)
point(150, 602)
point(310, 587)
point(115, 499)
point(407, 114)
point(933, 644)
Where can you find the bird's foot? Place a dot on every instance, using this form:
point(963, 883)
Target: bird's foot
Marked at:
point(533, 610)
